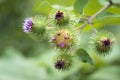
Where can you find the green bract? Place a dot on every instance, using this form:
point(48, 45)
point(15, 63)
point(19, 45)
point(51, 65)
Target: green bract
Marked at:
point(38, 30)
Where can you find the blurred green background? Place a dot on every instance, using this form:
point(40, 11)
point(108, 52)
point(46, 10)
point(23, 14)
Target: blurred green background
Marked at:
point(22, 58)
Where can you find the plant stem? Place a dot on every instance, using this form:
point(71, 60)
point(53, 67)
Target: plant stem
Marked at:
point(101, 10)
point(92, 17)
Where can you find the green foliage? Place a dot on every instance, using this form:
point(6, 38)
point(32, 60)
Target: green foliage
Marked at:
point(42, 7)
point(108, 73)
point(84, 56)
point(79, 5)
point(14, 66)
point(62, 3)
point(106, 15)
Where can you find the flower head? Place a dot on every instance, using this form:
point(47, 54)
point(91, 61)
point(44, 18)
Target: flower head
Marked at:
point(36, 27)
point(61, 18)
point(66, 40)
point(63, 61)
point(103, 42)
point(28, 24)
point(62, 39)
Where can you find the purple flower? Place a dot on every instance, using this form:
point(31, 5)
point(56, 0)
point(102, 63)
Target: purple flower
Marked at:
point(59, 15)
point(60, 64)
point(54, 38)
point(62, 45)
point(106, 42)
point(27, 26)
point(66, 37)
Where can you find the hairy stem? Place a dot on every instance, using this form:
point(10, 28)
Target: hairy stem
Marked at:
point(101, 10)
point(89, 20)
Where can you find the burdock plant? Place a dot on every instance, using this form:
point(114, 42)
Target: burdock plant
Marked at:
point(61, 28)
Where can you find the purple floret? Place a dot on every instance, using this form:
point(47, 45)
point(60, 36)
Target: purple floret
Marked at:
point(62, 45)
point(60, 64)
point(59, 15)
point(106, 42)
point(27, 26)
point(54, 38)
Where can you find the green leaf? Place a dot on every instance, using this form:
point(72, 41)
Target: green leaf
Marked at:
point(79, 5)
point(117, 3)
point(61, 2)
point(84, 56)
point(106, 15)
point(106, 2)
point(42, 7)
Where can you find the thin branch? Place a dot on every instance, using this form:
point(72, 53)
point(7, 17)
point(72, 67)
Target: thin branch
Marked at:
point(92, 17)
point(101, 10)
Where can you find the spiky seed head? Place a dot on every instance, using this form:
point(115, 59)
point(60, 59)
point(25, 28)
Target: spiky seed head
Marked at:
point(103, 42)
point(62, 39)
point(66, 40)
point(63, 62)
point(61, 18)
point(36, 27)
